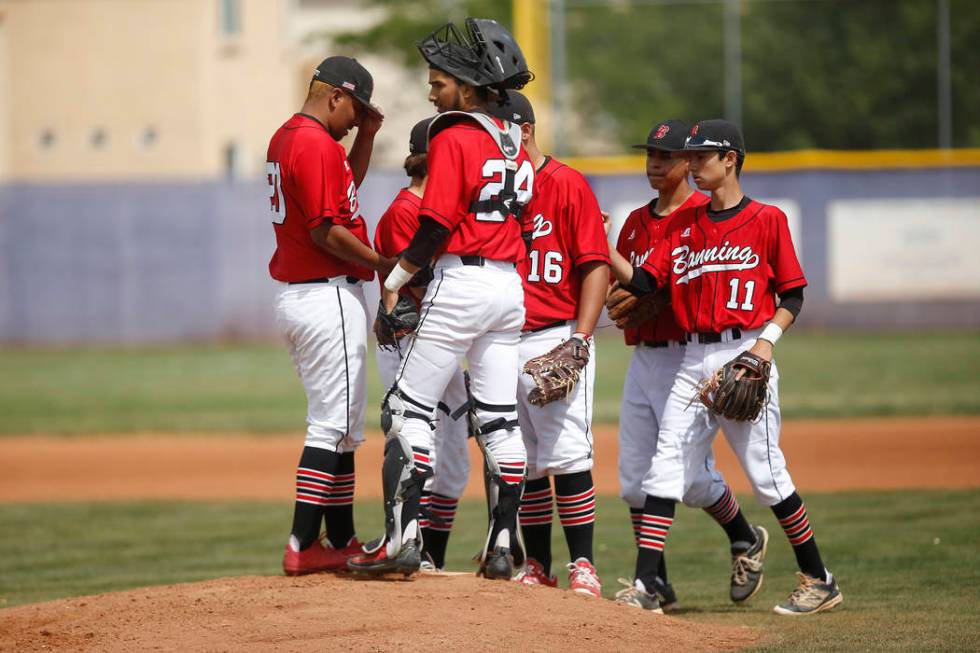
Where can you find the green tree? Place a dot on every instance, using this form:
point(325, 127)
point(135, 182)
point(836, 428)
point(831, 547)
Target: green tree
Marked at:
point(835, 74)
point(408, 22)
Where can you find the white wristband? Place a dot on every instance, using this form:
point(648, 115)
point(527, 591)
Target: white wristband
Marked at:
point(771, 333)
point(398, 277)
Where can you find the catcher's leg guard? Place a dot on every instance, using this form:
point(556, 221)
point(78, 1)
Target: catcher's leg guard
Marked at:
point(402, 485)
point(504, 546)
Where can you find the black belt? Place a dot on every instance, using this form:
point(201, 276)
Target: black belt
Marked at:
point(546, 326)
point(479, 260)
point(348, 278)
point(710, 338)
point(661, 344)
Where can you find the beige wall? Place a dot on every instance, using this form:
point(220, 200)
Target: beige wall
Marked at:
point(4, 94)
point(129, 66)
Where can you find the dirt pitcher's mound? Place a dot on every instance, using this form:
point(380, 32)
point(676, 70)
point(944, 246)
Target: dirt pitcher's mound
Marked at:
point(326, 613)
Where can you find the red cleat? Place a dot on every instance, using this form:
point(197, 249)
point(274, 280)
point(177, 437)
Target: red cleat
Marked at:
point(583, 579)
point(533, 574)
point(317, 557)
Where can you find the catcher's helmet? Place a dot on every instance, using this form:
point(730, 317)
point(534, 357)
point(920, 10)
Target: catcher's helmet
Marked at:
point(486, 56)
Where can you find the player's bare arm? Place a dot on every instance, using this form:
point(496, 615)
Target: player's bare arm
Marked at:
point(359, 157)
point(592, 295)
point(791, 302)
point(621, 268)
point(340, 242)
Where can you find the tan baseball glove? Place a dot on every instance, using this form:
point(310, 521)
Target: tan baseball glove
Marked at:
point(556, 372)
point(738, 390)
point(629, 311)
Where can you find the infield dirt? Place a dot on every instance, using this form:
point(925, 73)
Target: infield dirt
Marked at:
point(823, 456)
point(326, 613)
point(451, 612)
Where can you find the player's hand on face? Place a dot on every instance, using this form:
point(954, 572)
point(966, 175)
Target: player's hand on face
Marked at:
point(370, 121)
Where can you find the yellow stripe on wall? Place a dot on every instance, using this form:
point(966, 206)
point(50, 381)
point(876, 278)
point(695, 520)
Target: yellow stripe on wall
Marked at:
point(803, 160)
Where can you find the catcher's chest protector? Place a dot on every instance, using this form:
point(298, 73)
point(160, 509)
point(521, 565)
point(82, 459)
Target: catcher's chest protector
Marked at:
point(508, 139)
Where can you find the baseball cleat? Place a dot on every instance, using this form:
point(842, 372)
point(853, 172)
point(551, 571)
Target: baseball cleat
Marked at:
point(812, 595)
point(533, 574)
point(583, 579)
point(427, 565)
point(408, 561)
point(499, 564)
point(666, 595)
point(319, 556)
point(635, 596)
point(747, 566)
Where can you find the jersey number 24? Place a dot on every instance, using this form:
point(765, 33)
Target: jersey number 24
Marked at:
point(502, 181)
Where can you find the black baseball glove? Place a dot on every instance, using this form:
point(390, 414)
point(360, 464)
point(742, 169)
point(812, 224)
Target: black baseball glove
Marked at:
point(389, 328)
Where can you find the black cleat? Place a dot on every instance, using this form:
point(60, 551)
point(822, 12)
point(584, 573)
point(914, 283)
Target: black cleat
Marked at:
point(377, 563)
point(499, 564)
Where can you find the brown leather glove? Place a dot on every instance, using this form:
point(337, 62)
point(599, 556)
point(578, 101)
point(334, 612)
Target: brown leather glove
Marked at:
point(629, 311)
point(737, 391)
point(556, 372)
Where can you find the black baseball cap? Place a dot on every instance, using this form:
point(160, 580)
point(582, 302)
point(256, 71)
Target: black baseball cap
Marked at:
point(418, 142)
point(350, 76)
point(715, 134)
point(667, 136)
point(514, 107)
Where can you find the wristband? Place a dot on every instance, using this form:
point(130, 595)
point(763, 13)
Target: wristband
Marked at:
point(771, 333)
point(398, 277)
point(581, 335)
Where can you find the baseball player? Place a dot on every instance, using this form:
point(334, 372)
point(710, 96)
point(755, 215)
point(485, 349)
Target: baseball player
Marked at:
point(659, 349)
point(322, 259)
point(565, 276)
point(726, 265)
point(479, 178)
point(440, 495)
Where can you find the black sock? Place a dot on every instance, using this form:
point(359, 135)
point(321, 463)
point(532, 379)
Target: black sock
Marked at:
point(728, 514)
point(435, 535)
point(575, 499)
point(434, 543)
point(535, 518)
point(658, 515)
point(339, 513)
point(314, 479)
point(636, 514)
point(792, 516)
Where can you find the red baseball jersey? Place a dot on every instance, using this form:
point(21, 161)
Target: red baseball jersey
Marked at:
point(565, 225)
point(726, 274)
point(640, 233)
point(396, 228)
point(310, 182)
point(465, 165)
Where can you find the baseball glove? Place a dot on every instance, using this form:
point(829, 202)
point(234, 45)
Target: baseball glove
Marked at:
point(389, 328)
point(556, 372)
point(629, 311)
point(738, 390)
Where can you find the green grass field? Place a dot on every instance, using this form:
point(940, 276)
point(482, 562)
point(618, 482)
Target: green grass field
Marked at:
point(907, 562)
point(253, 387)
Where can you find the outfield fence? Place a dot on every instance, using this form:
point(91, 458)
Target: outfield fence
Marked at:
point(161, 262)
